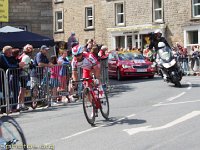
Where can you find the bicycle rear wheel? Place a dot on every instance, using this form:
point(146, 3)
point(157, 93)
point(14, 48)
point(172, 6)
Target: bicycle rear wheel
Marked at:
point(105, 109)
point(12, 136)
point(88, 107)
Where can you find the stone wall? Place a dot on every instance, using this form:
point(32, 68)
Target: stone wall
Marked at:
point(36, 15)
point(177, 15)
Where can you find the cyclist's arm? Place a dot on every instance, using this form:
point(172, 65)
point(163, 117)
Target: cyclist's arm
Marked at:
point(96, 71)
point(95, 66)
point(74, 70)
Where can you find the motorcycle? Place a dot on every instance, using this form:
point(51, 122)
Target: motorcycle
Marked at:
point(168, 65)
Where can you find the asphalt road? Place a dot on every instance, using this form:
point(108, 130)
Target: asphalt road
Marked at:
point(145, 114)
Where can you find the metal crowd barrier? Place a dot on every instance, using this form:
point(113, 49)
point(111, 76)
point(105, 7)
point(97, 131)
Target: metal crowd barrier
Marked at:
point(104, 71)
point(52, 83)
point(3, 91)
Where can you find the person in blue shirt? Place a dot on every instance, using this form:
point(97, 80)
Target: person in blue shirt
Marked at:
point(7, 61)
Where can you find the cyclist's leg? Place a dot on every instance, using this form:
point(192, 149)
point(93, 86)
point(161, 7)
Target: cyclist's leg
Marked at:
point(86, 74)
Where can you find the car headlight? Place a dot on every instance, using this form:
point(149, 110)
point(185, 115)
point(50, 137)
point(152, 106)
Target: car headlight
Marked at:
point(126, 66)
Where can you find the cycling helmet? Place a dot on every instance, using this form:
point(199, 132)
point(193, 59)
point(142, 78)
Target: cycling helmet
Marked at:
point(161, 44)
point(77, 50)
point(28, 48)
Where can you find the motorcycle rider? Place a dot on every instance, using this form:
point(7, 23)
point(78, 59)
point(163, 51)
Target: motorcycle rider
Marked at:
point(156, 38)
point(157, 42)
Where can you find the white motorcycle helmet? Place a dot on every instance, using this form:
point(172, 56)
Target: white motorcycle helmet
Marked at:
point(158, 31)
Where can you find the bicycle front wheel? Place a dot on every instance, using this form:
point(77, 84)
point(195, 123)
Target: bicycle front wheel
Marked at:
point(11, 134)
point(88, 106)
point(105, 108)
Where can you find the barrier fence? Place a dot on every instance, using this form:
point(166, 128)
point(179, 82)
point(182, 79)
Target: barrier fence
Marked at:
point(39, 86)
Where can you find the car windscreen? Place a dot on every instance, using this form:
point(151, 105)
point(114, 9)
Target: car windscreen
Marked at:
point(130, 56)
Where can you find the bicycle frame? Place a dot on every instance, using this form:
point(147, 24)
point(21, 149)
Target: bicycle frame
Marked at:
point(94, 98)
point(92, 88)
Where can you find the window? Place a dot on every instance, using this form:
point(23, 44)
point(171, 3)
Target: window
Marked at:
point(196, 8)
point(120, 41)
point(89, 17)
point(119, 11)
point(192, 37)
point(58, 21)
point(157, 11)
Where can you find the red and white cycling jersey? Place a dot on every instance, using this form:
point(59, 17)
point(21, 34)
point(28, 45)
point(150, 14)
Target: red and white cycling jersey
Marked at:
point(87, 63)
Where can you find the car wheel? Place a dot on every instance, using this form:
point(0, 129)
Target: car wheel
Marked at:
point(119, 77)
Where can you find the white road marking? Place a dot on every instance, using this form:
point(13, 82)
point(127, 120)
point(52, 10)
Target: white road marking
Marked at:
point(175, 97)
point(88, 130)
point(171, 124)
point(185, 102)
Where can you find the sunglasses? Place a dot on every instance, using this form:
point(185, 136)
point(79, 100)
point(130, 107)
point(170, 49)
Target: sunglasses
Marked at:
point(77, 55)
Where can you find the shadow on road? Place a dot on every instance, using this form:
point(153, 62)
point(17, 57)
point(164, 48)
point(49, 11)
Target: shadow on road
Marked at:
point(114, 121)
point(117, 90)
point(117, 87)
point(133, 80)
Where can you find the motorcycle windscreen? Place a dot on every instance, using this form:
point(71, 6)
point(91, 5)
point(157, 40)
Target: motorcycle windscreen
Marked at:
point(165, 54)
point(169, 64)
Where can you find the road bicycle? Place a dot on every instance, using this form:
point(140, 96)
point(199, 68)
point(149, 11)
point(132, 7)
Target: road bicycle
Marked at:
point(92, 100)
point(11, 134)
point(39, 92)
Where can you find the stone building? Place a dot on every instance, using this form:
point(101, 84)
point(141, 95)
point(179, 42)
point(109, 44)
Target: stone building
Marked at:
point(31, 15)
point(124, 23)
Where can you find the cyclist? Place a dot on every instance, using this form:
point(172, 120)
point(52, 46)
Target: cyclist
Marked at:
point(85, 61)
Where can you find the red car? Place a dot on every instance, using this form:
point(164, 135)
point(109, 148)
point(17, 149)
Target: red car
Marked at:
point(129, 64)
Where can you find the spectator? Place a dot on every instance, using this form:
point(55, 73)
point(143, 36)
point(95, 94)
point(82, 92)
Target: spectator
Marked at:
point(71, 41)
point(184, 59)
point(90, 44)
point(102, 52)
point(62, 60)
point(42, 65)
point(7, 61)
point(195, 58)
point(42, 61)
point(26, 58)
point(54, 83)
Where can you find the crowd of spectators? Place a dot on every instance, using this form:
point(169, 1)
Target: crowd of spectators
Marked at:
point(29, 66)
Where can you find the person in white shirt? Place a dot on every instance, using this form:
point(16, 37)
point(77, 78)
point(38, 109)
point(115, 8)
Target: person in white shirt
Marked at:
point(25, 57)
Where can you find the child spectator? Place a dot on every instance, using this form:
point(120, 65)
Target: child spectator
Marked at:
point(63, 61)
point(54, 83)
